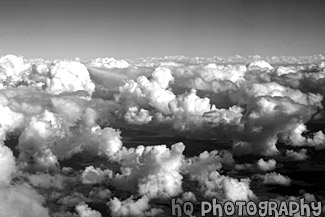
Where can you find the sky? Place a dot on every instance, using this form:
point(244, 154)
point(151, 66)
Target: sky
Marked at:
point(140, 28)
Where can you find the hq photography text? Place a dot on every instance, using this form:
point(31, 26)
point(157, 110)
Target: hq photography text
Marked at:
point(246, 208)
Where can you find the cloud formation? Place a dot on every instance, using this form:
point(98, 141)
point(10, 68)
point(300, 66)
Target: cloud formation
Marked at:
point(54, 112)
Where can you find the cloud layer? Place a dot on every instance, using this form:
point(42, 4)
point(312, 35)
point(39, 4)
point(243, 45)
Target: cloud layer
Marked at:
point(68, 120)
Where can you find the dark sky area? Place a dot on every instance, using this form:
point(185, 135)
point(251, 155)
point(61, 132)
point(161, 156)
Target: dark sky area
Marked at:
point(140, 28)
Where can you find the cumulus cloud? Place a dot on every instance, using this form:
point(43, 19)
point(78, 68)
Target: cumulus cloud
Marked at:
point(276, 179)
point(266, 165)
point(56, 77)
point(192, 112)
point(297, 156)
point(109, 63)
point(69, 76)
point(12, 69)
point(225, 188)
point(318, 140)
point(153, 171)
point(8, 168)
point(250, 98)
point(259, 65)
point(260, 165)
point(145, 93)
point(204, 169)
point(131, 207)
point(134, 116)
point(48, 125)
point(94, 176)
point(49, 138)
point(84, 211)
point(201, 166)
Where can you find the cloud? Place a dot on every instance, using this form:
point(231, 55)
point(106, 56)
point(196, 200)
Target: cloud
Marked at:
point(189, 196)
point(8, 168)
point(84, 211)
point(134, 116)
point(301, 155)
point(69, 76)
point(44, 180)
point(21, 201)
point(225, 188)
point(153, 171)
point(276, 179)
point(56, 77)
point(94, 176)
point(259, 65)
point(12, 69)
point(266, 165)
point(109, 63)
point(252, 102)
point(131, 207)
point(55, 110)
point(145, 93)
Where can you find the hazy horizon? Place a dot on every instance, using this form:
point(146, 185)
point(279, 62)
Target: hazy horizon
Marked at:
point(130, 29)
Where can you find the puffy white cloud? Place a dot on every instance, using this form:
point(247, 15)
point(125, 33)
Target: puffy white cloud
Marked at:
point(69, 76)
point(54, 77)
point(129, 207)
point(318, 140)
point(9, 120)
point(12, 69)
point(109, 141)
point(134, 116)
point(8, 165)
point(189, 196)
point(53, 127)
point(276, 179)
point(38, 138)
point(163, 77)
point(204, 170)
point(109, 63)
point(153, 170)
point(295, 137)
point(146, 93)
point(192, 112)
point(322, 65)
point(268, 118)
point(94, 176)
point(201, 166)
point(216, 78)
point(266, 165)
point(225, 188)
point(237, 190)
point(188, 110)
point(282, 70)
point(84, 211)
point(259, 65)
